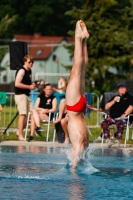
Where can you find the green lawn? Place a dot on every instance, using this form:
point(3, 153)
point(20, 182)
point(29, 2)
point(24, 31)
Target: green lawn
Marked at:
point(95, 133)
point(90, 122)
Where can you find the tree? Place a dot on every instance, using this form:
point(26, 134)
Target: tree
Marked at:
point(4, 24)
point(44, 17)
point(109, 24)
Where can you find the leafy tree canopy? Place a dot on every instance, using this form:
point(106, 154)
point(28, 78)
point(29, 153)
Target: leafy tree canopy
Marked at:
point(110, 24)
point(44, 17)
point(110, 49)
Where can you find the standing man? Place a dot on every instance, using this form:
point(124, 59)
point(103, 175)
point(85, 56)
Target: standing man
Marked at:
point(75, 99)
point(23, 86)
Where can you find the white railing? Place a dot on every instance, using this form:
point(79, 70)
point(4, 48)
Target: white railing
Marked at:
point(94, 115)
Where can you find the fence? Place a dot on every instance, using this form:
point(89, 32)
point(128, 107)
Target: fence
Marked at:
point(10, 110)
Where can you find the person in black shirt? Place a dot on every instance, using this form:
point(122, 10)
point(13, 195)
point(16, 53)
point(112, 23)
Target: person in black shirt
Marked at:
point(46, 103)
point(119, 107)
point(23, 86)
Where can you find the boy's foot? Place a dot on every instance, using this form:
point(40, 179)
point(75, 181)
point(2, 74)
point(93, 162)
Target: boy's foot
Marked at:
point(84, 29)
point(78, 31)
point(31, 139)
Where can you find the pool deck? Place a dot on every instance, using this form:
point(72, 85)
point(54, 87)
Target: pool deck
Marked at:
point(56, 144)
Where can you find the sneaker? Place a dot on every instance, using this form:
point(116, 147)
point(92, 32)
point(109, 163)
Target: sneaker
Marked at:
point(116, 143)
point(99, 138)
point(39, 130)
point(31, 139)
point(109, 143)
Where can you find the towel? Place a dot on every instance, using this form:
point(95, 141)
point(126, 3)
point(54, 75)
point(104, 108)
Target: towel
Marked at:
point(59, 96)
point(88, 96)
point(3, 98)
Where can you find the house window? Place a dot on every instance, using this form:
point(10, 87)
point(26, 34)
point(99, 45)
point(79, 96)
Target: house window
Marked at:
point(71, 58)
point(54, 57)
point(39, 52)
point(4, 78)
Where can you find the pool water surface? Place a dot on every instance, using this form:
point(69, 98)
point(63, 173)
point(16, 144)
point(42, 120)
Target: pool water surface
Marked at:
point(39, 173)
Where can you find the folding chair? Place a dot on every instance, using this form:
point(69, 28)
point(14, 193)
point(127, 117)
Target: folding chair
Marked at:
point(54, 127)
point(47, 122)
point(106, 97)
point(128, 126)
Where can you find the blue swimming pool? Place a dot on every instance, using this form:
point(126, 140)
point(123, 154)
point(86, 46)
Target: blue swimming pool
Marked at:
point(39, 173)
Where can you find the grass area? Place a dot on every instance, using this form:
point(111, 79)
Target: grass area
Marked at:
point(94, 131)
point(12, 136)
point(9, 112)
point(7, 115)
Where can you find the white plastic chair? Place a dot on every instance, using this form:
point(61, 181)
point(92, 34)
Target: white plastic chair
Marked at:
point(43, 121)
point(128, 126)
point(55, 128)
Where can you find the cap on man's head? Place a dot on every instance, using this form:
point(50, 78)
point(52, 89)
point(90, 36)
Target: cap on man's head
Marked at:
point(121, 84)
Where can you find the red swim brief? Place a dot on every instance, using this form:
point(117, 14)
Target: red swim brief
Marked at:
point(80, 106)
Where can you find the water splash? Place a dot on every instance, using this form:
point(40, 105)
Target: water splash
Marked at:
point(84, 164)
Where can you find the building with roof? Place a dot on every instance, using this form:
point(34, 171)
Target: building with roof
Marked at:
point(50, 57)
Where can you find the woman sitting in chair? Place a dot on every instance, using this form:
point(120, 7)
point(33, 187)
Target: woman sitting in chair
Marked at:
point(60, 92)
point(62, 84)
point(46, 103)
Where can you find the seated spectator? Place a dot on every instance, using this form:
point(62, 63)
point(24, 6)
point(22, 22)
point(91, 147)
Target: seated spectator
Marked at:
point(34, 93)
point(119, 107)
point(41, 84)
point(62, 84)
point(63, 119)
point(60, 92)
point(46, 103)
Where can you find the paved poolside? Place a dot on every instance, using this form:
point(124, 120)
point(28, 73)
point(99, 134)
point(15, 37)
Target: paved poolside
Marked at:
point(55, 144)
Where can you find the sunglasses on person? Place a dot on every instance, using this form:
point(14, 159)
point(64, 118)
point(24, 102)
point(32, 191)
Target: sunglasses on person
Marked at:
point(31, 62)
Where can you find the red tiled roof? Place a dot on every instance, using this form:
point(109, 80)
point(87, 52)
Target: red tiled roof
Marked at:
point(44, 44)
